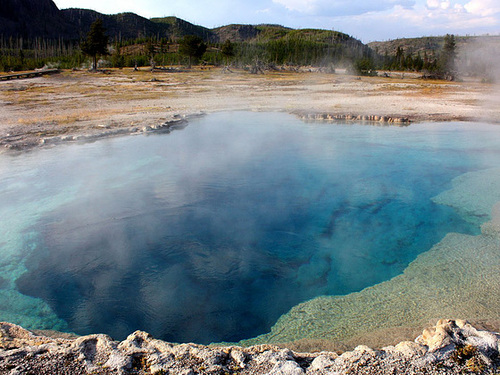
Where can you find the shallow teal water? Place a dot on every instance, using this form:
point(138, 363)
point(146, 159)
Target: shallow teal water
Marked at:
point(210, 233)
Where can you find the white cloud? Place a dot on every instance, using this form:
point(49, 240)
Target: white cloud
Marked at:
point(336, 8)
point(305, 6)
point(433, 4)
point(431, 17)
point(438, 4)
point(445, 4)
point(483, 8)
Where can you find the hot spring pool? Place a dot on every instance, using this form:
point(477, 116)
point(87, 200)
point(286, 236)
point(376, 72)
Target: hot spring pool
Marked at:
point(211, 233)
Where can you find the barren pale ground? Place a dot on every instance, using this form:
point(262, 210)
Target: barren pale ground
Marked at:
point(78, 102)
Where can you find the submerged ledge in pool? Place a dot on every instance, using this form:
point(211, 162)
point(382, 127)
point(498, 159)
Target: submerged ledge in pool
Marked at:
point(399, 307)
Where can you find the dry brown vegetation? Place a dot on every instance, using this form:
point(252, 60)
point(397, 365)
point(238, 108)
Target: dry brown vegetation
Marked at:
point(76, 102)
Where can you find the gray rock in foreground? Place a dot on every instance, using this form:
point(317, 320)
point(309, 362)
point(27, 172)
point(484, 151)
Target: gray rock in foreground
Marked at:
point(451, 347)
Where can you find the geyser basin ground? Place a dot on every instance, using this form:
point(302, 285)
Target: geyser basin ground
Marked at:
point(212, 232)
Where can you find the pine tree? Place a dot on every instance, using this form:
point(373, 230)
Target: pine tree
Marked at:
point(117, 60)
point(448, 56)
point(418, 62)
point(192, 46)
point(96, 42)
point(227, 50)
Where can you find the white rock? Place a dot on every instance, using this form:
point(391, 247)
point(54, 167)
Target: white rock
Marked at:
point(117, 361)
point(407, 349)
point(286, 368)
point(321, 362)
point(273, 357)
point(238, 357)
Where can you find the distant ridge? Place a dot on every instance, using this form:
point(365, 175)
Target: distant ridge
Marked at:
point(120, 26)
point(42, 18)
point(34, 18)
point(176, 27)
point(432, 45)
point(29, 19)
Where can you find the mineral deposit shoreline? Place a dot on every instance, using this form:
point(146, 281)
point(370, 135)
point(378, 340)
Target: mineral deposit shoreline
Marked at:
point(79, 106)
point(449, 347)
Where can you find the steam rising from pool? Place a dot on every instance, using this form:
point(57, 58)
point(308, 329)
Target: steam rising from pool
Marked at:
point(213, 232)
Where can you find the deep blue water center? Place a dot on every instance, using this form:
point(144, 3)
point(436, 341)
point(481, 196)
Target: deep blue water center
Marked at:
point(211, 232)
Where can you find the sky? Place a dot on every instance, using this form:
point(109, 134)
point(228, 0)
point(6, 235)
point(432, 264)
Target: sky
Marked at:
point(367, 20)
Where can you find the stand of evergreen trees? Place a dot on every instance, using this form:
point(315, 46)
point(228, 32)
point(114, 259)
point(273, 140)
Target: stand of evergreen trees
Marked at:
point(293, 52)
point(26, 54)
point(408, 62)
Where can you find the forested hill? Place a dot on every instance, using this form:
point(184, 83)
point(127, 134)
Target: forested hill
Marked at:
point(42, 18)
point(266, 33)
point(129, 26)
point(34, 18)
point(36, 32)
point(432, 46)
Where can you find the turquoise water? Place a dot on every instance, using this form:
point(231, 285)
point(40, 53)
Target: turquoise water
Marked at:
point(212, 232)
